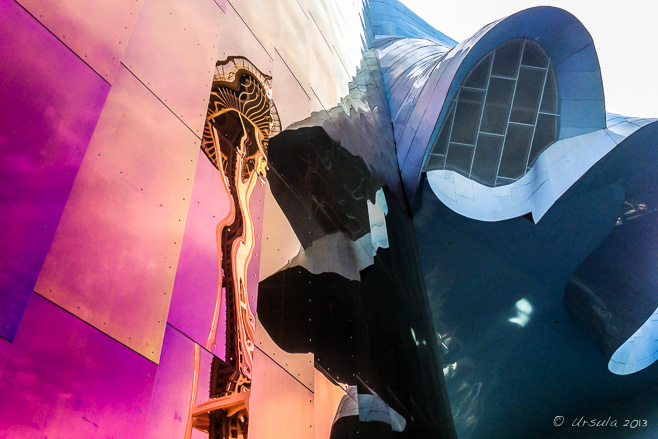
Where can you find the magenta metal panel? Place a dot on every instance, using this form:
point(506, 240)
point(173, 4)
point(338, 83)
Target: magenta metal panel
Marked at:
point(114, 255)
point(49, 105)
point(65, 379)
point(173, 51)
point(277, 399)
point(97, 31)
point(194, 297)
point(178, 383)
point(5, 349)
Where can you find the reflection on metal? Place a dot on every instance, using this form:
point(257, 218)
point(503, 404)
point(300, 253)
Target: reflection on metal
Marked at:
point(239, 123)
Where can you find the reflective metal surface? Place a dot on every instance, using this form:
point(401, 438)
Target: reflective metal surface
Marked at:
point(122, 227)
point(172, 51)
point(45, 130)
point(98, 33)
point(59, 365)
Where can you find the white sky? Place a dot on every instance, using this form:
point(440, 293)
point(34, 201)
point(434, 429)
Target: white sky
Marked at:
point(625, 35)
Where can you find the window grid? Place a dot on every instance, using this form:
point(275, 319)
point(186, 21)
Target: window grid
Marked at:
point(536, 107)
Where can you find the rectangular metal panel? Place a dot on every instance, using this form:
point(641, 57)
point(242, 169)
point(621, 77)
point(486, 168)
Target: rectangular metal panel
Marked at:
point(173, 50)
point(65, 379)
point(238, 40)
point(44, 131)
point(292, 101)
point(96, 31)
point(176, 386)
point(257, 14)
point(194, 298)
point(278, 402)
point(327, 397)
point(114, 255)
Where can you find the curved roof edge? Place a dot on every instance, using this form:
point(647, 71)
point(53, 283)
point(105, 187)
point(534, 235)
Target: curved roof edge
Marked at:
point(554, 172)
point(639, 351)
point(567, 43)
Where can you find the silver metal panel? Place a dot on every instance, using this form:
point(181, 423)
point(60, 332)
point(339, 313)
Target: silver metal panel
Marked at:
point(173, 51)
point(114, 255)
point(97, 32)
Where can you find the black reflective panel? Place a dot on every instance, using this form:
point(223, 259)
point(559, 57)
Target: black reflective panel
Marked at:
point(487, 155)
point(467, 117)
point(515, 152)
point(442, 141)
point(478, 76)
point(526, 98)
point(548, 100)
point(506, 59)
point(459, 158)
point(545, 134)
point(533, 56)
point(496, 109)
point(435, 161)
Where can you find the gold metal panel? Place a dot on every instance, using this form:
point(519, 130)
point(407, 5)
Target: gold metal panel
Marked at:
point(237, 39)
point(97, 31)
point(299, 366)
point(173, 51)
point(115, 252)
point(278, 403)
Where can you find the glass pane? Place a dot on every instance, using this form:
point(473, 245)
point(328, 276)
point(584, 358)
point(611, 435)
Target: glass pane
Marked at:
point(467, 117)
point(435, 161)
point(478, 76)
point(548, 100)
point(526, 98)
point(496, 110)
point(459, 158)
point(487, 155)
point(545, 134)
point(442, 141)
point(515, 152)
point(506, 59)
point(533, 55)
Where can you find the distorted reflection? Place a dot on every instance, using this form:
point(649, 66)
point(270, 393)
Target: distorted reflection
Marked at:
point(523, 310)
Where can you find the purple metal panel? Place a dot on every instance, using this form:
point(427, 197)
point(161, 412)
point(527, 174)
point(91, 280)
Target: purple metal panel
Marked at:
point(177, 382)
point(194, 296)
point(173, 51)
point(221, 4)
point(65, 379)
point(97, 31)
point(256, 207)
point(49, 104)
point(5, 349)
point(114, 255)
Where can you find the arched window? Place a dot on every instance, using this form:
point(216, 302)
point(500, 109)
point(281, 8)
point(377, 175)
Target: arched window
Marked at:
point(504, 115)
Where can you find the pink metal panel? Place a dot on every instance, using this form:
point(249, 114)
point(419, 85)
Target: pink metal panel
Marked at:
point(65, 379)
point(238, 40)
point(195, 288)
point(49, 105)
point(292, 101)
point(256, 207)
point(97, 31)
point(173, 51)
point(278, 401)
point(257, 14)
point(176, 385)
point(114, 255)
point(221, 4)
point(327, 398)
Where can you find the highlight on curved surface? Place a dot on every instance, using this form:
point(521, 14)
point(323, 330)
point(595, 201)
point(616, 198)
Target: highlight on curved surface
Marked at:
point(639, 351)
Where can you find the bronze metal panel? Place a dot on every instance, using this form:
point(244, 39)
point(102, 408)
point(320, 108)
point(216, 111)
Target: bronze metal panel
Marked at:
point(114, 255)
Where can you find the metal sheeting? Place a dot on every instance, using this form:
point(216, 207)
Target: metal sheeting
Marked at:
point(58, 366)
point(114, 254)
point(173, 51)
point(277, 399)
point(97, 32)
point(45, 130)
